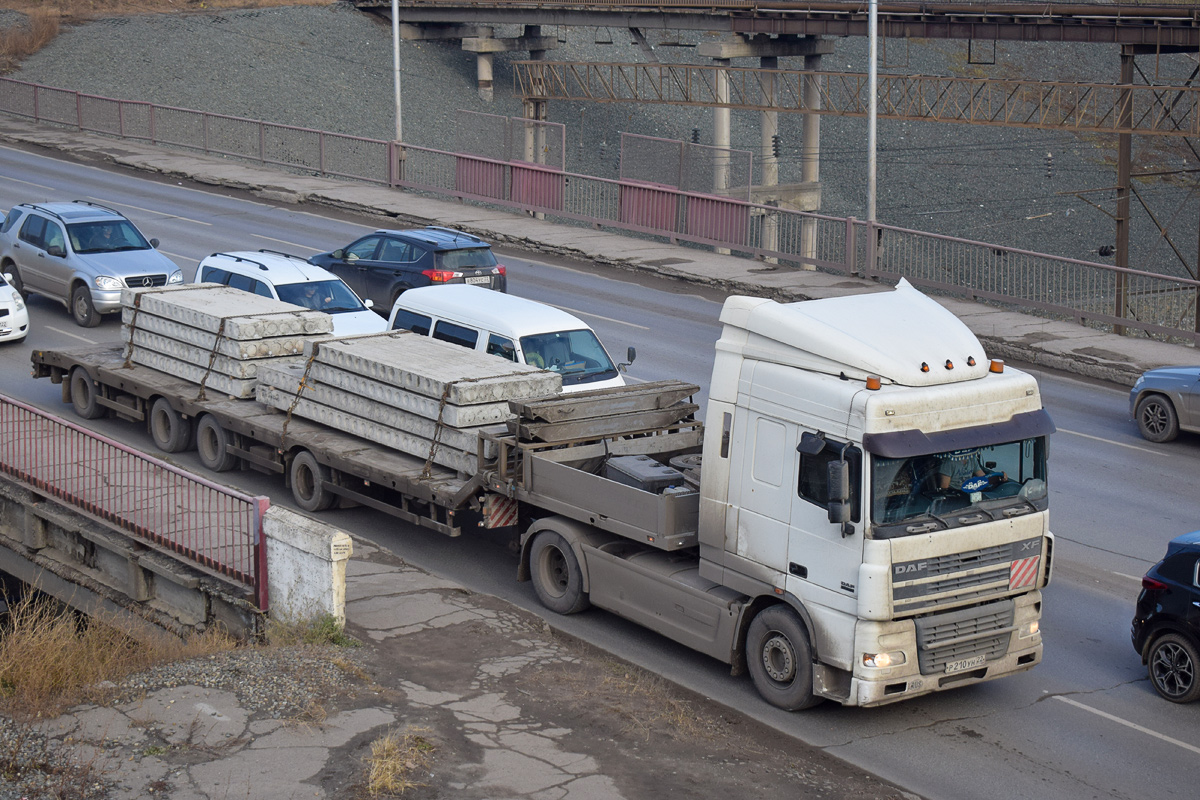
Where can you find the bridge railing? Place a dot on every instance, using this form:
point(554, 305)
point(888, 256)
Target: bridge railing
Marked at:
point(198, 521)
point(1101, 295)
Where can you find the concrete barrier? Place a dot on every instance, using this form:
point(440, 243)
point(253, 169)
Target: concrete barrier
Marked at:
point(306, 565)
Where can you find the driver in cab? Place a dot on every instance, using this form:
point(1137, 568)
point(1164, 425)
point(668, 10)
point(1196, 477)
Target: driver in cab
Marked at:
point(958, 467)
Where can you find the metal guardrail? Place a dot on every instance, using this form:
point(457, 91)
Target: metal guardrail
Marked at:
point(209, 525)
point(1125, 300)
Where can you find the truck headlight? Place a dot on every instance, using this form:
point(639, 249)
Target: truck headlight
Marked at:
point(107, 283)
point(881, 660)
point(1029, 629)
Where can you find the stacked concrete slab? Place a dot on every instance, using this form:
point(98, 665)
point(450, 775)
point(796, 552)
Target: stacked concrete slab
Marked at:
point(214, 335)
point(424, 397)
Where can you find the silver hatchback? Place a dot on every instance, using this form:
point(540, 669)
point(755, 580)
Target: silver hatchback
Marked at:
point(80, 254)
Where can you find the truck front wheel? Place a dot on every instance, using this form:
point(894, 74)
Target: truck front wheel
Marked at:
point(557, 578)
point(308, 483)
point(780, 659)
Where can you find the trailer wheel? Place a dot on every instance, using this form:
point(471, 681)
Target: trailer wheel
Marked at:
point(83, 395)
point(212, 445)
point(308, 483)
point(780, 659)
point(557, 578)
point(171, 432)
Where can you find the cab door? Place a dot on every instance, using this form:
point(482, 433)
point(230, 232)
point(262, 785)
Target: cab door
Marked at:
point(818, 551)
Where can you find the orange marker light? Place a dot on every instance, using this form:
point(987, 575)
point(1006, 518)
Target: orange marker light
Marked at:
point(873, 382)
point(949, 364)
point(970, 361)
point(924, 367)
point(997, 365)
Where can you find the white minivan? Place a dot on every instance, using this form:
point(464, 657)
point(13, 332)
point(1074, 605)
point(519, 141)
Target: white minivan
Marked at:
point(511, 327)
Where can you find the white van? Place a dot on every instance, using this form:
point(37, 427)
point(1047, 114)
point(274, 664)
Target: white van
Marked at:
point(510, 327)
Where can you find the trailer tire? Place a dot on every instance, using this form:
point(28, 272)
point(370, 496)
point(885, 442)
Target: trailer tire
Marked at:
point(170, 431)
point(780, 659)
point(556, 575)
point(212, 445)
point(83, 395)
point(308, 478)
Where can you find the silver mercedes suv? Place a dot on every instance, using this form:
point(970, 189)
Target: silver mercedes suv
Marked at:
point(80, 254)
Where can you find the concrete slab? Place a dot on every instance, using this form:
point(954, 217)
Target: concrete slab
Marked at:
point(435, 369)
point(232, 348)
point(241, 369)
point(232, 312)
point(213, 382)
point(314, 393)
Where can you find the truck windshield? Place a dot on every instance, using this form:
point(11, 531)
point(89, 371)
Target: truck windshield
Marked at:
point(917, 494)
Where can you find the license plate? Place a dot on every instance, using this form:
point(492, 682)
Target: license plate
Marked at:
point(484, 279)
point(966, 663)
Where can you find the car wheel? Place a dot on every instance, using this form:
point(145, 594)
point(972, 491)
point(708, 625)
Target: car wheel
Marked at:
point(1172, 663)
point(82, 308)
point(17, 283)
point(1156, 418)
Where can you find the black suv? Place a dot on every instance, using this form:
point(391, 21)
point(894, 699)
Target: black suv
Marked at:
point(1166, 624)
point(383, 265)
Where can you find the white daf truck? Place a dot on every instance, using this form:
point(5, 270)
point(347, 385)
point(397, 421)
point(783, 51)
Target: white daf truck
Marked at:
point(863, 517)
point(873, 520)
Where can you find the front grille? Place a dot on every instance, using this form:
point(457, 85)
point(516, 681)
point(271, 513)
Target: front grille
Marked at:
point(927, 584)
point(984, 630)
point(146, 281)
point(3, 312)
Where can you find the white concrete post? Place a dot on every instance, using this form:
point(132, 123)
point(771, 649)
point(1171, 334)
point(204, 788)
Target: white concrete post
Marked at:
point(306, 567)
point(769, 125)
point(810, 154)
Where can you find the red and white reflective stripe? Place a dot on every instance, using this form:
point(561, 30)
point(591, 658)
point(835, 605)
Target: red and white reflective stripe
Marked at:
point(499, 511)
point(1023, 572)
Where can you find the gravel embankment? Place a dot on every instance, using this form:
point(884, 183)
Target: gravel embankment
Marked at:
point(331, 68)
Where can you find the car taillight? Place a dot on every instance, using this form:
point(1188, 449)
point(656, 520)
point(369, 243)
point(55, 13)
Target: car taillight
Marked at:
point(441, 275)
point(1153, 584)
point(500, 269)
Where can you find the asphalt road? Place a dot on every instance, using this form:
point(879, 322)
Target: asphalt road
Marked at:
point(1084, 724)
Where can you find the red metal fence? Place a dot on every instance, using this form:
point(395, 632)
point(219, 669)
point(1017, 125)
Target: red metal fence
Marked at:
point(1095, 294)
point(197, 520)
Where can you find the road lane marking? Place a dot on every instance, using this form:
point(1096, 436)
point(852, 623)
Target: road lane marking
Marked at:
point(30, 183)
point(151, 211)
point(1110, 441)
point(570, 310)
point(72, 335)
point(1129, 724)
point(179, 255)
point(285, 241)
point(1137, 578)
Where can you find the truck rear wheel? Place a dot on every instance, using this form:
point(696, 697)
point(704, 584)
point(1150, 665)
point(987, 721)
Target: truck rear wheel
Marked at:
point(557, 578)
point(83, 395)
point(780, 659)
point(212, 445)
point(308, 478)
point(170, 431)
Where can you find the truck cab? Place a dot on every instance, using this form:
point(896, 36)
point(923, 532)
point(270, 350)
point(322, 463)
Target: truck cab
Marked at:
point(870, 472)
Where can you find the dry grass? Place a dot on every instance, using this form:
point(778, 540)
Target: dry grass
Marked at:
point(322, 629)
point(43, 19)
point(647, 703)
point(395, 760)
point(51, 658)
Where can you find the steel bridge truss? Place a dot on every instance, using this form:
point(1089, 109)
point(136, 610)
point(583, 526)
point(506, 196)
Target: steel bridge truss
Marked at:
point(1148, 110)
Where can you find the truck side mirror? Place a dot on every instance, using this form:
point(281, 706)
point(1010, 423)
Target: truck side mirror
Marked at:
point(839, 496)
point(630, 355)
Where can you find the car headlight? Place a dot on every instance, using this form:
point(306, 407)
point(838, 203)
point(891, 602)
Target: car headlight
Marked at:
point(17, 302)
point(107, 283)
point(176, 277)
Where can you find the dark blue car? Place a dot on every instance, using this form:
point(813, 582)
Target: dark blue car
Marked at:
point(383, 265)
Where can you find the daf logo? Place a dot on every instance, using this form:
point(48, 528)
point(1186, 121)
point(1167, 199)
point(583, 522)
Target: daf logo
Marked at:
point(147, 281)
point(916, 566)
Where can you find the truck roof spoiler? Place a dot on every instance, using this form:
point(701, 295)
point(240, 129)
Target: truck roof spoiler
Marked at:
point(901, 444)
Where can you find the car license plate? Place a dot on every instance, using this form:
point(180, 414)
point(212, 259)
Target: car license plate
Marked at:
point(484, 279)
point(966, 663)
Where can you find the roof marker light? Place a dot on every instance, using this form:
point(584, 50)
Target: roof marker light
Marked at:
point(873, 382)
point(949, 364)
point(970, 361)
point(924, 367)
point(997, 365)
